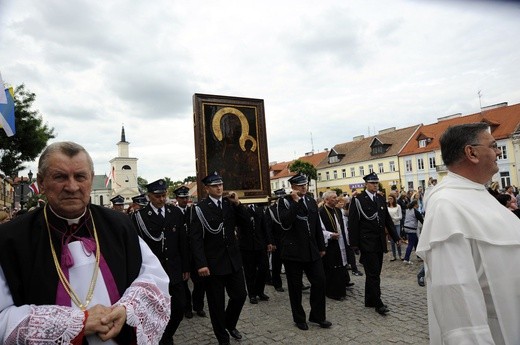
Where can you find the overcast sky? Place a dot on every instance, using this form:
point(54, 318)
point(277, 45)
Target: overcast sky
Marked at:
point(333, 68)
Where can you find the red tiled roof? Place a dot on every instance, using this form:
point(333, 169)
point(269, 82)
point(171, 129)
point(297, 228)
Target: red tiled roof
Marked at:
point(360, 150)
point(504, 121)
point(281, 169)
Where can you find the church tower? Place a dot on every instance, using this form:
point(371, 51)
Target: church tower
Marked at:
point(124, 171)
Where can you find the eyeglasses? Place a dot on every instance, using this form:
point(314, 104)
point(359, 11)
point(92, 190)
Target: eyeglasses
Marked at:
point(493, 146)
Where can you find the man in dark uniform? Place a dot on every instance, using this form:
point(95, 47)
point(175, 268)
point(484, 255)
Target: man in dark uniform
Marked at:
point(275, 231)
point(368, 217)
point(302, 249)
point(162, 226)
point(254, 244)
point(216, 255)
point(138, 202)
point(118, 203)
point(182, 195)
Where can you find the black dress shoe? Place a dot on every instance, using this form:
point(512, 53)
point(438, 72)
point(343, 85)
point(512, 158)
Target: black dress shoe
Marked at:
point(382, 310)
point(350, 284)
point(188, 314)
point(279, 289)
point(263, 297)
point(357, 273)
point(305, 287)
point(323, 324)
point(336, 298)
point(253, 300)
point(235, 333)
point(302, 325)
point(201, 313)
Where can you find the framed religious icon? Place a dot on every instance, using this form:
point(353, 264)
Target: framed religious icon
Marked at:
point(230, 139)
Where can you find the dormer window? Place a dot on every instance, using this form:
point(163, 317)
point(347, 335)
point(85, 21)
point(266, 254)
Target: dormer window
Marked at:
point(378, 149)
point(333, 159)
point(423, 142)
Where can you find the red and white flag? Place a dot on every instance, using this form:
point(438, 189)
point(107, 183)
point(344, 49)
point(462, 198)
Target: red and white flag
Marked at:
point(34, 187)
point(109, 177)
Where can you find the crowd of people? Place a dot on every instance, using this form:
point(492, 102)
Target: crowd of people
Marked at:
point(85, 273)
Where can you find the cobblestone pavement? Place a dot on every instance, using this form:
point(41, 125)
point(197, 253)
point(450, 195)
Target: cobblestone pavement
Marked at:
point(271, 322)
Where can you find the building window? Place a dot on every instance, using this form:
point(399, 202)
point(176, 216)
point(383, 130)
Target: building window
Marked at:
point(327, 176)
point(344, 173)
point(381, 169)
point(503, 152)
point(370, 168)
point(505, 179)
point(283, 184)
point(420, 164)
point(333, 159)
point(408, 164)
point(277, 185)
point(361, 171)
point(352, 172)
point(319, 176)
point(335, 173)
point(392, 166)
point(422, 143)
point(432, 162)
point(378, 149)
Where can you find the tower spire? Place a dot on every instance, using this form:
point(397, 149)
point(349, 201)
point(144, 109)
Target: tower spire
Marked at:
point(123, 137)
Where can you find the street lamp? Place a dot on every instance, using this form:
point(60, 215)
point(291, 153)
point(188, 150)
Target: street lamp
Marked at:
point(22, 188)
point(30, 175)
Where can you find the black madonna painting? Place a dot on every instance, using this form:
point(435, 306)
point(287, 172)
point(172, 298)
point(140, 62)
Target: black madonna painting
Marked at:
point(230, 139)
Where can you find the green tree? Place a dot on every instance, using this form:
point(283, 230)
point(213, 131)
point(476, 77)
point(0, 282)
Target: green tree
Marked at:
point(141, 183)
point(299, 166)
point(31, 135)
point(338, 191)
point(189, 179)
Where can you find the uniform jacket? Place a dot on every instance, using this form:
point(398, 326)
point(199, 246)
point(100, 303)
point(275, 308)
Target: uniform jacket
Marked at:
point(219, 252)
point(254, 235)
point(173, 253)
point(302, 238)
point(369, 235)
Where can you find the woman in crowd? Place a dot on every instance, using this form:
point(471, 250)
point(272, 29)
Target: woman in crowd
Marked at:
point(395, 212)
point(411, 223)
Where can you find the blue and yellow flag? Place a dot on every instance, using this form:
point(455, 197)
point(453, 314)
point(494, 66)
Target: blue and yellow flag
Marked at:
point(7, 109)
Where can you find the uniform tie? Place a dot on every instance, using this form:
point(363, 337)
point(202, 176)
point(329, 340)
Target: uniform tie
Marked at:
point(219, 204)
point(159, 212)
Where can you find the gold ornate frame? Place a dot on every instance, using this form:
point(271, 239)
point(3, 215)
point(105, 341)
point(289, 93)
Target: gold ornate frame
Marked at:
point(230, 138)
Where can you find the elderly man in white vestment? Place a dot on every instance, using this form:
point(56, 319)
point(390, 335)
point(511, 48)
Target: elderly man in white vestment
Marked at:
point(76, 273)
point(471, 247)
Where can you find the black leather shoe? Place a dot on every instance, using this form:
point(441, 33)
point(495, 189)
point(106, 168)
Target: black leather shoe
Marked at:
point(279, 289)
point(235, 334)
point(305, 287)
point(201, 313)
point(302, 325)
point(420, 281)
point(382, 310)
point(188, 314)
point(263, 297)
point(350, 284)
point(323, 324)
point(357, 273)
point(253, 300)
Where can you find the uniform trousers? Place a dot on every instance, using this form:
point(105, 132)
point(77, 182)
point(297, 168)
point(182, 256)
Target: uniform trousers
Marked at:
point(276, 266)
point(372, 263)
point(196, 297)
point(255, 270)
point(223, 317)
point(316, 276)
point(178, 305)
